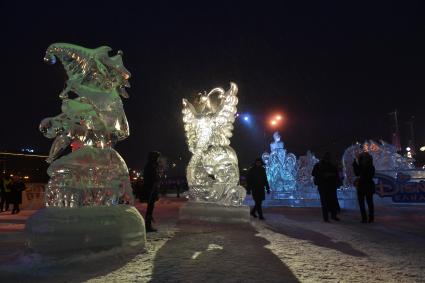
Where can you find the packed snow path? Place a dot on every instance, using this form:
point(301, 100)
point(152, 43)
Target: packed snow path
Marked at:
point(292, 245)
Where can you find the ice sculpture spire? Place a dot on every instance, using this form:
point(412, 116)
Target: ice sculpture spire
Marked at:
point(213, 172)
point(281, 168)
point(91, 123)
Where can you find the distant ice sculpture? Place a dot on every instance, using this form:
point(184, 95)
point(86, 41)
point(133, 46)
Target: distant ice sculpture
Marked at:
point(91, 123)
point(212, 172)
point(87, 186)
point(281, 168)
point(305, 184)
point(385, 158)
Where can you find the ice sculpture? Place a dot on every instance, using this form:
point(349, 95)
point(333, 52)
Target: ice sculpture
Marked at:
point(91, 123)
point(87, 186)
point(385, 158)
point(305, 166)
point(212, 172)
point(281, 168)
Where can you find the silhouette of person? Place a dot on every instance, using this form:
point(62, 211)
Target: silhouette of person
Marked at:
point(5, 192)
point(326, 177)
point(16, 189)
point(151, 182)
point(365, 171)
point(257, 185)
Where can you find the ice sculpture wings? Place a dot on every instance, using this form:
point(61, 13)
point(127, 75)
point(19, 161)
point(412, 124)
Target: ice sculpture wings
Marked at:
point(90, 69)
point(213, 172)
point(220, 119)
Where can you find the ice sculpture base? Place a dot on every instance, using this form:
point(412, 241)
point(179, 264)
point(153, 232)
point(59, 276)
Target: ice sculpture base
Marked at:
point(93, 229)
point(347, 199)
point(214, 213)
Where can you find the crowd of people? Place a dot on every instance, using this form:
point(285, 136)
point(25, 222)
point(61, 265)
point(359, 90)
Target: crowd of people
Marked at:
point(11, 188)
point(325, 173)
point(327, 179)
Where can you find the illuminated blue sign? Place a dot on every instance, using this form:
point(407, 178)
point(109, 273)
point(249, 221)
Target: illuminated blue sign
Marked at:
point(401, 189)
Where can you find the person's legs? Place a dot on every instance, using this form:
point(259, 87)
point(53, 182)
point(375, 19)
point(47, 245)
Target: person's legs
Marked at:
point(324, 205)
point(149, 216)
point(2, 201)
point(7, 201)
point(15, 208)
point(361, 198)
point(254, 209)
point(333, 204)
point(260, 209)
point(337, 206)
point(370, 206)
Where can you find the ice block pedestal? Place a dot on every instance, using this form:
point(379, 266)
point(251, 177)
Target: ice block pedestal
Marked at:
point(62, 230)
point(214, 213)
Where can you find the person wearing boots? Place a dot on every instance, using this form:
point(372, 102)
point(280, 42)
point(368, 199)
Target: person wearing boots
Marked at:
point(151, 183)
point(257, 185)
point(365, 171)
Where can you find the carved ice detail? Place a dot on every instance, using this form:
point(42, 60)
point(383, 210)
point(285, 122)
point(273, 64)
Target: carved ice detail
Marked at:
point(91, 123)
point(212, 172)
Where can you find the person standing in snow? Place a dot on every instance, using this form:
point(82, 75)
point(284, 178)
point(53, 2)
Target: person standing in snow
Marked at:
point(257, 185)
point(326, 177)
point(151, 184)
point(16, 189)
point(5, 192)
point(365, 171)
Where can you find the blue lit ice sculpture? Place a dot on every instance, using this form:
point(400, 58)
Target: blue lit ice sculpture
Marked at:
point(87, 186)
point(213, 172)
point(281, 169)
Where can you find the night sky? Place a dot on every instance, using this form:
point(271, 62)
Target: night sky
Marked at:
point(334, 70)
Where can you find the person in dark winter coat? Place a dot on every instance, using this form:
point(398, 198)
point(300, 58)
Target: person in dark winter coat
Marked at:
point(365, 171)
point(257, 185)
point(17, 187)
point(5, 192)
point(151, 183)
point(326, 177)
point(2, 194)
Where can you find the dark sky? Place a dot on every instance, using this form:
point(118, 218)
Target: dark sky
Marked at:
point(334, 69)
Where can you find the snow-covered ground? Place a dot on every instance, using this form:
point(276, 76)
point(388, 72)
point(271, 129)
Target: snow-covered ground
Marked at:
point(292, 245)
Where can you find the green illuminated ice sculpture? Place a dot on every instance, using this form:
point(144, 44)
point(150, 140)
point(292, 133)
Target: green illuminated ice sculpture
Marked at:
point(88, 197)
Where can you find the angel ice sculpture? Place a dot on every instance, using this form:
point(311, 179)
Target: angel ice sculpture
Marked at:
point(91, 123)
point(281, 169)
point(213, 172)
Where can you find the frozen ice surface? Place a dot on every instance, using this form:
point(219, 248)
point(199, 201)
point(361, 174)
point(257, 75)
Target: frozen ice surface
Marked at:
point(214, 213)
point(212, 173)
point(291, 243)
point(81, 229)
